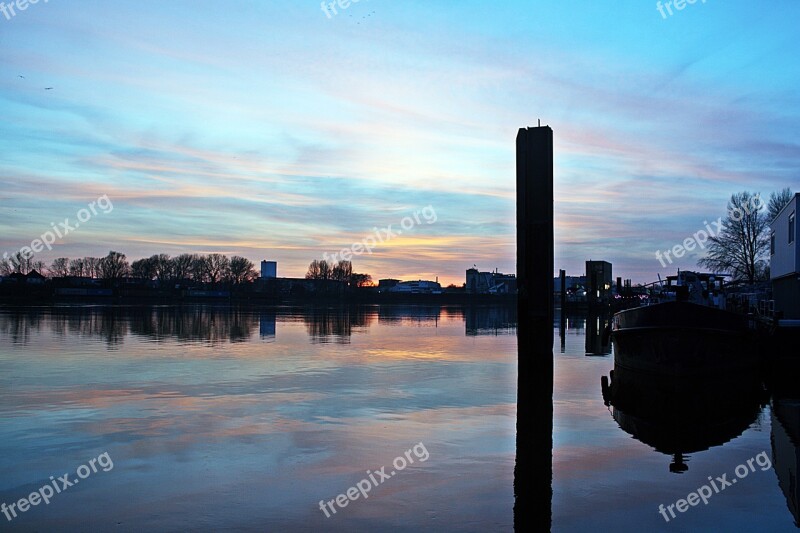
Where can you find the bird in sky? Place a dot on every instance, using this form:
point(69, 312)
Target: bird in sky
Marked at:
point(21, 76)
point(48, 88)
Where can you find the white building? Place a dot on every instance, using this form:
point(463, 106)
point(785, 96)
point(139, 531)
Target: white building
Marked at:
point(785, 260)
point(417, 287)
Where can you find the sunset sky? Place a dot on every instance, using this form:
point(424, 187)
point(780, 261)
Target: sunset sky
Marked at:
point(269, 130)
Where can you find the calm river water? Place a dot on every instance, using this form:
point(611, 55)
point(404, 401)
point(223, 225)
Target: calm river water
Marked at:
point(246, 419)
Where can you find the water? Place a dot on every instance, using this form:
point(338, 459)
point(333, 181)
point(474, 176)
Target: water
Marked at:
point(244, 419)
point(606, 479)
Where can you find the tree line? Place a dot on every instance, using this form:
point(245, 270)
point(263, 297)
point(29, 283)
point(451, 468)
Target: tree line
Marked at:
point(341, 271)
point(209, 268)
point(201, 268)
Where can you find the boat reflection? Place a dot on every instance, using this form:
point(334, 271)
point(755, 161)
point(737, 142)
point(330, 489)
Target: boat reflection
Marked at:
point(678, 416)
point(786, 449)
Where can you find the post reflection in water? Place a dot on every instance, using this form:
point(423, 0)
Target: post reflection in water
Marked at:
point(598, 338)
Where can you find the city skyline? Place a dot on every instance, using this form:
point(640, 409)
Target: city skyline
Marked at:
point(273, 131)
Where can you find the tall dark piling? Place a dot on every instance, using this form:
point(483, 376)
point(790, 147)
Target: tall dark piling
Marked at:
point(534, 464)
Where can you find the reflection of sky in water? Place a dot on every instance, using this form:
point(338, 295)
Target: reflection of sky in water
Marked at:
point(217, 419)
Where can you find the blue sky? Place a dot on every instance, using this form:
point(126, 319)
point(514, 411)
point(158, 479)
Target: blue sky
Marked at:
point(269, 130)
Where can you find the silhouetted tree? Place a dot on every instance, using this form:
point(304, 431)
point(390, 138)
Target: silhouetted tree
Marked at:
point(342, 271)
point(114, 266)
point(313, 270)
point(242, 270)
point(361, 280)
point(77, 267)
point(60, 267)
point(217, 267)
point(162, 267)
point(325, 270)
point(143, 269)
point(39, 267)
point(198, 270)
point(182, 266)
point(93, 267)
point(17, 263)
point(778, 201)
point(740, 248)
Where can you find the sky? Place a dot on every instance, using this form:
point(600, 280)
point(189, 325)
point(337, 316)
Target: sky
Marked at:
point(276, 131)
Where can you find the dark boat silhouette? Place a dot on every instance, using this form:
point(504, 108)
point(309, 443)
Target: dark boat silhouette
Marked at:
point(688, 334)
point(677, 416)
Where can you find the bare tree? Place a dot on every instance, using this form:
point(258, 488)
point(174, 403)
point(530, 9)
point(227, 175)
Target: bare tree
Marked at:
point(741, 246)
point(182, 266)
point(325, 270)
point(93, 267)
point(199, 268)
point(114, 266)
point(342, 271)
point(60, 267)
point(77, 267)
point(217, 267)
point(361, 280)
point(778, 201)
point(320, 270)
point(241, 270)
point(162, 267)
point(313, 270)
point(143, 269)
point(18, 263)
point(39, 267)
point(6, 267)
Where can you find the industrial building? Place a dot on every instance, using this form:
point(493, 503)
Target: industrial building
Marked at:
point(490, 282)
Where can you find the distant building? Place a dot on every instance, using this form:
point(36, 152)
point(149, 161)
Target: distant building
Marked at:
point(572, 283)
point(269, 269)
point(490, 282)
point(32, 277)
point(417, 287)
point(785, 260)
point(386, 284)
point(598, 282)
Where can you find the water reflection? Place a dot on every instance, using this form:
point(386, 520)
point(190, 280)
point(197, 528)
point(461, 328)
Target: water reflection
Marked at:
point(598, 339)
point(224, 324)
point(786, 450)
point(678, 416)
point(490, 320)
point(569, 323)
point(335, 324)
point(243, 418)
